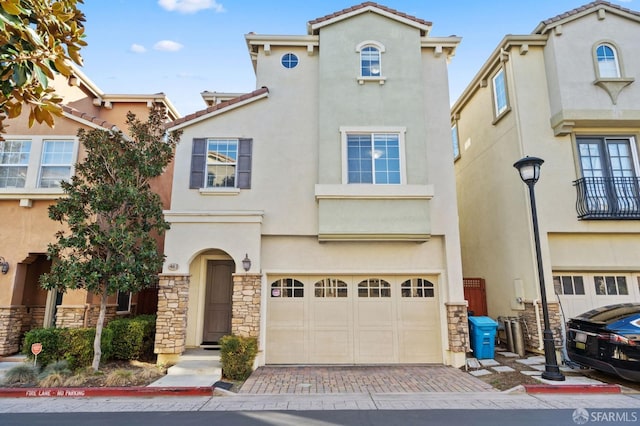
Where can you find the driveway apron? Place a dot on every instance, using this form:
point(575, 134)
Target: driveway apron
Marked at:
point(361, 379)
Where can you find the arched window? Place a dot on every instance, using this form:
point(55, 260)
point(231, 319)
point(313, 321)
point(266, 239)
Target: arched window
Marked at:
point(287, 287)
point(370, 62)
point(607, 61)
point(418, 287)
point(374, 287)
point(331, 287)
point(371, 59)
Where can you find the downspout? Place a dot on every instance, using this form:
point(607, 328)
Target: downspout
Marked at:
point(538, 325)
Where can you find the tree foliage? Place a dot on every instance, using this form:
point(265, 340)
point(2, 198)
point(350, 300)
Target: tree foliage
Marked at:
point(37, 39)
point(111, 214)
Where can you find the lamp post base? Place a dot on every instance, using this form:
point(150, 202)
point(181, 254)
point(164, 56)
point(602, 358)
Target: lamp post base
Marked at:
point(549, 374)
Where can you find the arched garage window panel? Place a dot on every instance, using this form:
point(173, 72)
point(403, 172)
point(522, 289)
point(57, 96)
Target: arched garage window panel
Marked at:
point(607, 61)
point(287, 287)
point(330, 287)
point(374, 287)
point(418, 287)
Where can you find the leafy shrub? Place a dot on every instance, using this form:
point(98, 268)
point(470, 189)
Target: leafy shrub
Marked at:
point(50, 339)
point(77, 344)
point(237, 354)
point(133, 337)
point(24, 374)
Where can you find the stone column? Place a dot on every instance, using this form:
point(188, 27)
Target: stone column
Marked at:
point(11, 318)
point(458, 327)
point(530, 321)
point(171, 322)
point(245, 305)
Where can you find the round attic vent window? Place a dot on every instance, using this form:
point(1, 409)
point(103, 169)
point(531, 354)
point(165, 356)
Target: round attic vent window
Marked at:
point(289, 60)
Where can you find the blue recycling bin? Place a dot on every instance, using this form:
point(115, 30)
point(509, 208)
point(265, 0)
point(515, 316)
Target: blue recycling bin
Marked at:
point(482, 331)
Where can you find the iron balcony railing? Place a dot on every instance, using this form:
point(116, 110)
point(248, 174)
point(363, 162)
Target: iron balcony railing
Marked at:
point(608, 198)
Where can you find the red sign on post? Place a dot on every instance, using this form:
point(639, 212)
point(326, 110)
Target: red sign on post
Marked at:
point(36, 348)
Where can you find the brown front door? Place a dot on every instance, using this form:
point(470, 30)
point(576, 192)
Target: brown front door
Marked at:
point(217, 308)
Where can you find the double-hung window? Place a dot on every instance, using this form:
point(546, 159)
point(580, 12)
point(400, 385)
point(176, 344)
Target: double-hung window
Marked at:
point(57, 157)
point(609, 184)
point(500, 102)
point(221, 163)
point(14, 162)
point(374, 158)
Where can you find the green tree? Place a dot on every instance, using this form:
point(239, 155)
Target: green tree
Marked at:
point(111, 214)
point(37, 39)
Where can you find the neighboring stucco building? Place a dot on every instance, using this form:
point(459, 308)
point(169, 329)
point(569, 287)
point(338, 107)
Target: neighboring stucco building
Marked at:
point(334, 180)
point(32, 163)
point(569, 94)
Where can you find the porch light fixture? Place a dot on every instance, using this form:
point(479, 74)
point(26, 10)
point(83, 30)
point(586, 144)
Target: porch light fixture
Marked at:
point(529, 169)
point(246, 263)
point(4, 265)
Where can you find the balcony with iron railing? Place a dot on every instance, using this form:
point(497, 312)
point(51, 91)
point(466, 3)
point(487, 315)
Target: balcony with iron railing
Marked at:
point(608, 198)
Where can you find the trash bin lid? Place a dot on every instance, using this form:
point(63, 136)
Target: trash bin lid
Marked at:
point(483, 321)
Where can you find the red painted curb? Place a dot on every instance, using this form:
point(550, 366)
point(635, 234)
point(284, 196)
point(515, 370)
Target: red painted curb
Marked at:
point(112, 391)
point(604, 388)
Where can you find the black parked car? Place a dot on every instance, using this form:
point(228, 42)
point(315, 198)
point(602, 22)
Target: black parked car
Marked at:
point(607, 339)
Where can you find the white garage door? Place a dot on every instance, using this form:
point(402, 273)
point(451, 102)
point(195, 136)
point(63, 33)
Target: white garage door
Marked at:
point(580, 292)
point(346, 320)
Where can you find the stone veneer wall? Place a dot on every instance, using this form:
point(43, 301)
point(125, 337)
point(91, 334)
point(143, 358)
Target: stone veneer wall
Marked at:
point(11, 320)
point(530, 325)
point(245, 305)
point(36, 314)
point(458, 327)
point(171, 323)
point(73, 316)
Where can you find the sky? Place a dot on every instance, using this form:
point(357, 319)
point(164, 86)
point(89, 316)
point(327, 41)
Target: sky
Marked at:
point(184, 47)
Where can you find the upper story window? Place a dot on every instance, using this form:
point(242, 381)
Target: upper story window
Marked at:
point(373, 158)
point(609, 186)
point(607, 61)
point(289, 60)
point(221, 163)
point(36, 162)
point(222, 155)
point(14, 162)
point(455, 141)
point(370, 61)
point(57, 157)
point(500, 101)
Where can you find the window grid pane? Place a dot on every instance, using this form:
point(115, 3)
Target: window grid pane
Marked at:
point(14, 161)
point(56, 163)
point(330, 287)
point(222, 158)
point(607, 62)
point(373, 158)
point(287, 287)
point(370, 62)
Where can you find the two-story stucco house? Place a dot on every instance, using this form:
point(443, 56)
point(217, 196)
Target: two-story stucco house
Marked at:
point(33, 161)
point(568, 93)
point(318, 213)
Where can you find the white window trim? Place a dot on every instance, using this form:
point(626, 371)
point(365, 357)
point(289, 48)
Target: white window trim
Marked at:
point(400, 131)
point(72, 161)
point(31, 189)
point(362, 79)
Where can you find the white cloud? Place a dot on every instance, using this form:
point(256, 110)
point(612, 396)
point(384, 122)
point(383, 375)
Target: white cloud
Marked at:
point(168, 46)
point(137, 48)
point(190, 6)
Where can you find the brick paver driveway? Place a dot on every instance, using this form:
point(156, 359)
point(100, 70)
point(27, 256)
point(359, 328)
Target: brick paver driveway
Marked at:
point(361, 379)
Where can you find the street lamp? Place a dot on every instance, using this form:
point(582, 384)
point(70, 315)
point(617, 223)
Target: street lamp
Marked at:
point(529, 169)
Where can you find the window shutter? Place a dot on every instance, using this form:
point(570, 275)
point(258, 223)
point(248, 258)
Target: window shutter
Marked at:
point(245, 148)
point(198, 163)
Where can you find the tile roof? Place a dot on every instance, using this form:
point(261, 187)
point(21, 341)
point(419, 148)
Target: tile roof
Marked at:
point(586, 7)
point(219, 106)
point(88, 117)
point(367, 4)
